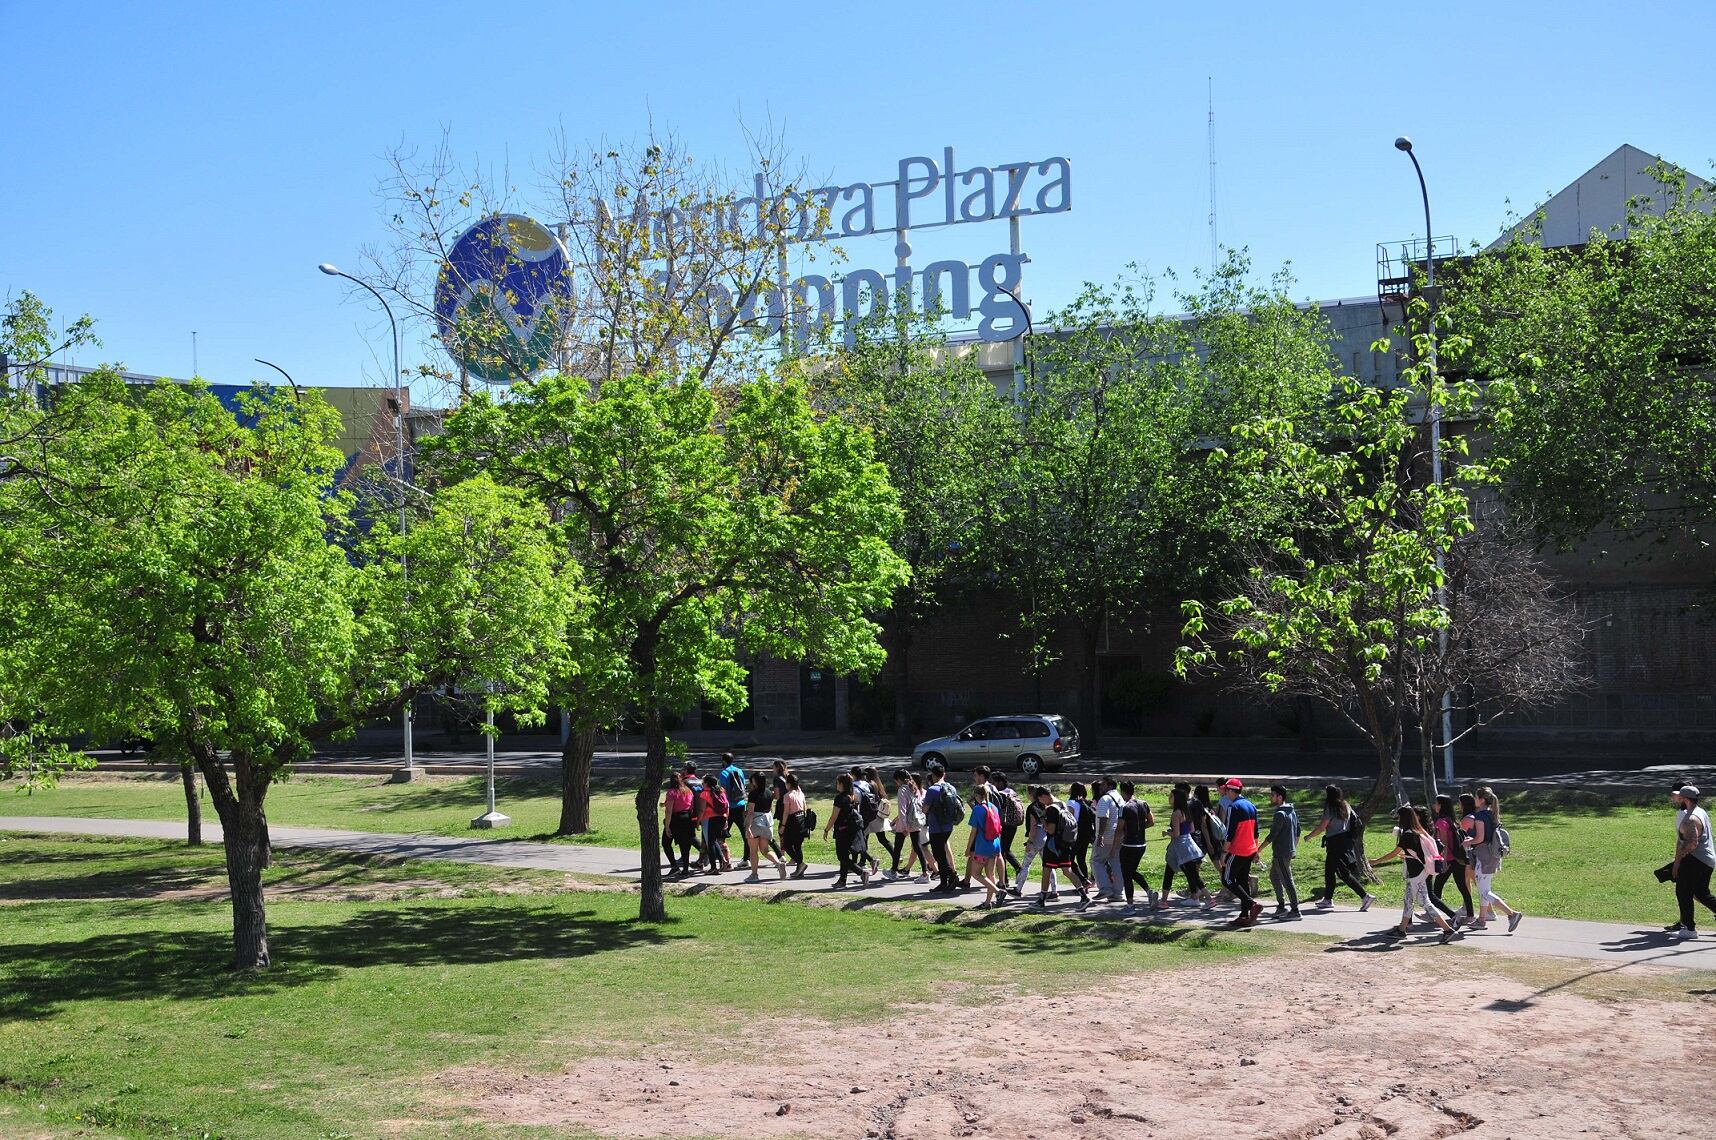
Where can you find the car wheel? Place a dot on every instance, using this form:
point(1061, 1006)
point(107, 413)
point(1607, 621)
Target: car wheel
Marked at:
point(1031, 766)
point(932, 758)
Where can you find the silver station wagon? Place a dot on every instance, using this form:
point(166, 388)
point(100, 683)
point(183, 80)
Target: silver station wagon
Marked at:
point(1028, 743)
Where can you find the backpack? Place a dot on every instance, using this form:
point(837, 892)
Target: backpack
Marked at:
point(1012, 811)
point(869, 807)
point(1084, 830)
point(1504, 841)
point(733, 783)
point(1217, 831)
point(810, 821)
point(1065, 824)
point(947, 809)
point(991, 821)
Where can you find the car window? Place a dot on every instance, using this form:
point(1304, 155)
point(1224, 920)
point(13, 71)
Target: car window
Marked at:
point(1032, 729)
point(1008, 730)
point(979, 731)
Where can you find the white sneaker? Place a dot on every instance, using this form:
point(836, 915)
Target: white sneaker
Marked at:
point(1365, 905)
point(780, 869)
point(1683, 935)
point(889, 876)
point(921, 880)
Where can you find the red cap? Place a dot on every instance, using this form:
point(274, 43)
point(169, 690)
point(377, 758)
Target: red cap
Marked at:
point(1233, 785)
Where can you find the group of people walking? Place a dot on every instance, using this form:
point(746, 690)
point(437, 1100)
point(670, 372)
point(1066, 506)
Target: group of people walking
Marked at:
point(1094, 840)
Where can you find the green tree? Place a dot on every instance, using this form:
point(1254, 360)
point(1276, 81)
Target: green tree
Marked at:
point(667, 252)
point(1603, 358)
point(197, 581)
point(1116, 506)
point(711, 523)
point(1345, 602)
point(948, 438)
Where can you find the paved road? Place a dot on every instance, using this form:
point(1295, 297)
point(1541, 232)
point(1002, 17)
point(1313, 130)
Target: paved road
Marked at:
point(1609, 946)
point(820, 768)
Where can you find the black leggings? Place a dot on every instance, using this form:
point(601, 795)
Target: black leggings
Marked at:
point(1337, 865)
point(1008, 831)
point(792, 837)
point(944, 859)
point(1456, 872)
point(1192, 872)
point(894, 844)
point(845, 843)
point(1129, 873)
point(1081, 857)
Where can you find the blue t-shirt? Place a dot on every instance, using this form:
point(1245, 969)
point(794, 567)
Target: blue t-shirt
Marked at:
point(983, 848)
point(733, 783)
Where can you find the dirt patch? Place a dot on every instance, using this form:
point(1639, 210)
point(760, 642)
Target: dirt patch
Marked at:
point(1346, 1047)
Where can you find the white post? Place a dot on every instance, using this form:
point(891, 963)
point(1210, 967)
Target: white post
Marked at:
point(491, 818)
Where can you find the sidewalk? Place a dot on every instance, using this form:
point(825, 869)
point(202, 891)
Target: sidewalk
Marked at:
point(1614, 945)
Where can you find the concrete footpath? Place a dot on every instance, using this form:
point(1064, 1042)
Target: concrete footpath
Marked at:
point(1614, 945)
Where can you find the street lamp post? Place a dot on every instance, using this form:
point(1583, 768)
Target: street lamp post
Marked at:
point(408, 773)
point(492, 818)
point(1435, 413)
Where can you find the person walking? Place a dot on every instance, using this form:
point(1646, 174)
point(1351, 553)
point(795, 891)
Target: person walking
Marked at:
point(983, 848)
point(1136, 820)
point(1034, 837)
point(678, 804)
point(1106, 854)
point(944, 810)
point(1445, 826)
point(1058, 829)
point(907, 826)
point(1184, 854)
point(714, 815)
point(1242, 848)
point(876, 822)
point(981, 792)
point(733, 782)
point(1085, 814)
point(1416, 849)
point(1012, 818)
point(1694, 859)
point(778, 784)
point(759, 824)
point(1339, 828)
point(1283, 844)
point(1483, 844)
point(795, 827)
point(847, 823)
point(700, 839)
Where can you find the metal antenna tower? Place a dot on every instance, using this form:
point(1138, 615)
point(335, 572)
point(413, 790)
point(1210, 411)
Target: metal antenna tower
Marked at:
point(1215, 243)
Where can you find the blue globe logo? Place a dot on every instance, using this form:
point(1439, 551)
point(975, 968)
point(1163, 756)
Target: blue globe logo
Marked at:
point(502, 298)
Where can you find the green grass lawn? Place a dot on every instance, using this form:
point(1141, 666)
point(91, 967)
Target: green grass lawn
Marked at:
point(1575, 855)
point(118, 1017)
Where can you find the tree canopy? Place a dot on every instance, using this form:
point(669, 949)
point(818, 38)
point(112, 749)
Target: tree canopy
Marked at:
point(712, 524)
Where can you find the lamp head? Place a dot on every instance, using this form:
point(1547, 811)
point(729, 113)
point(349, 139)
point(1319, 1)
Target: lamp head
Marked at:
point(328, 268)
point(1401, 143)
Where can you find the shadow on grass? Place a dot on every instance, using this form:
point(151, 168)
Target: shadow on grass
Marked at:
point(38, 978)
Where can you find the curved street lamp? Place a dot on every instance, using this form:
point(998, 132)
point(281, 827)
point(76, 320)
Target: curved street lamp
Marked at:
point(409, 772)
point(1403, 143)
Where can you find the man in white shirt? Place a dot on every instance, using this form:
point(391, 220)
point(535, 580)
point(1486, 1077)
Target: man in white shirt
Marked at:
point(1105, 855)
point(1694, 859)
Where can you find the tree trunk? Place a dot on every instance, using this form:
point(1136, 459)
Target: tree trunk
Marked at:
point(576, 760)
point(193, 805)
point(900, 649)
point(246, 831)
point(1427, 754)
point(652, 903)
point(1388, 781)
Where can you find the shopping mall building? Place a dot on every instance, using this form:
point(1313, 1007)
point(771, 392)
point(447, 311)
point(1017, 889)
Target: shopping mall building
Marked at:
point(1652, 646)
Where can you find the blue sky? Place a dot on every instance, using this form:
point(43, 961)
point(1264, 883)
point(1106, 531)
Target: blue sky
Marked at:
point(185, 166)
